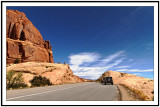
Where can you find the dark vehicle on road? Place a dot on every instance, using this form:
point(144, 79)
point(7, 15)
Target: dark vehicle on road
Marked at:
point(107, 80)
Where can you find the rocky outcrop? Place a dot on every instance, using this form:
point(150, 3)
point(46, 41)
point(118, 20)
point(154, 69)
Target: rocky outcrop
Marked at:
point(24, 41)
point(142, 86)
point(116, 76)
point(57, 73)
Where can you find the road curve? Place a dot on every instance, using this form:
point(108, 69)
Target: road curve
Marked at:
point(87, 91)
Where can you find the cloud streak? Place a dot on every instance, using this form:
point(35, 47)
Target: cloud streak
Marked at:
point(119, 67)
point(135, 70)
point(110, 58)
point(93, 65)
point(97, 66)
point(78, 59)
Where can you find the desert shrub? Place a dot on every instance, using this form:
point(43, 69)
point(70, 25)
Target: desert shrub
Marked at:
point(150, 80)
point(152, 92)
point(16, 61)
point(40, 81)
point(48, 66)
point(15, 80)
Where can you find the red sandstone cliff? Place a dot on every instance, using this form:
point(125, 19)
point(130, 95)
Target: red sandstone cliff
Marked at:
point(24, 41)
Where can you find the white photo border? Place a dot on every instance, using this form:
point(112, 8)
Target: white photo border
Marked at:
point(4, 102)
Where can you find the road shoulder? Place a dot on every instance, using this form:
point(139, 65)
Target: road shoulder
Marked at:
point(127, 95)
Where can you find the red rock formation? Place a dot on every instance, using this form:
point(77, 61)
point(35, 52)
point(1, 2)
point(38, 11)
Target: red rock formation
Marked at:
point(24, 41)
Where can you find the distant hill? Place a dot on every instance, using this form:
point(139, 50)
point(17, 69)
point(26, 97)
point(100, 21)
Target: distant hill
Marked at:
point(144, 87)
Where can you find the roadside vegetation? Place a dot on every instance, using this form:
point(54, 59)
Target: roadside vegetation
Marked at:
point(15, 80)
point(138, 92)
point(38, 81)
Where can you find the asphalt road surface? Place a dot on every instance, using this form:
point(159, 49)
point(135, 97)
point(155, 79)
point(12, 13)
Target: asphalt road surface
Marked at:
point(87, 91)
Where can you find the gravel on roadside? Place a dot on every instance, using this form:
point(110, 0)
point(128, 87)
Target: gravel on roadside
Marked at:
point(127, 95)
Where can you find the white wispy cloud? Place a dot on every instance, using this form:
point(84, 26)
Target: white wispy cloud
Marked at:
point(120, 67)
point(110, 58)
point(89, 74)
point(135, 70)
point(78, 59)
point(130, 60)
point(117, 62)
point(99, 65)
point(132, 14)
point(137, 74)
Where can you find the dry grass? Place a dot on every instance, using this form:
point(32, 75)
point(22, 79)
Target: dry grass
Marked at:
point(140, 93)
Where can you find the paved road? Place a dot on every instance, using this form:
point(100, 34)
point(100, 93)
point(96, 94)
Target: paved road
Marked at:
point(88, 91)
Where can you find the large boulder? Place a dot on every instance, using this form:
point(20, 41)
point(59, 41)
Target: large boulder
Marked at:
point(24, 41)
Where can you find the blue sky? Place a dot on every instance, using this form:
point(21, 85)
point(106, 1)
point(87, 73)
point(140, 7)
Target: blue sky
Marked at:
point(93, 40)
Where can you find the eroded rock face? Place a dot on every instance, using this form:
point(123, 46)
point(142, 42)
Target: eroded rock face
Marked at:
point(57, 73)
point(24, 41)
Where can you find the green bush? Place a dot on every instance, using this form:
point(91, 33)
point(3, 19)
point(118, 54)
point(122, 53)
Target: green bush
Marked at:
point(15, 80)
point(40, 81)
point(16, 61)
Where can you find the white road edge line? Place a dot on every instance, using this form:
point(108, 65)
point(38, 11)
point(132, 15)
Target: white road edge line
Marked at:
point(43, 92)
